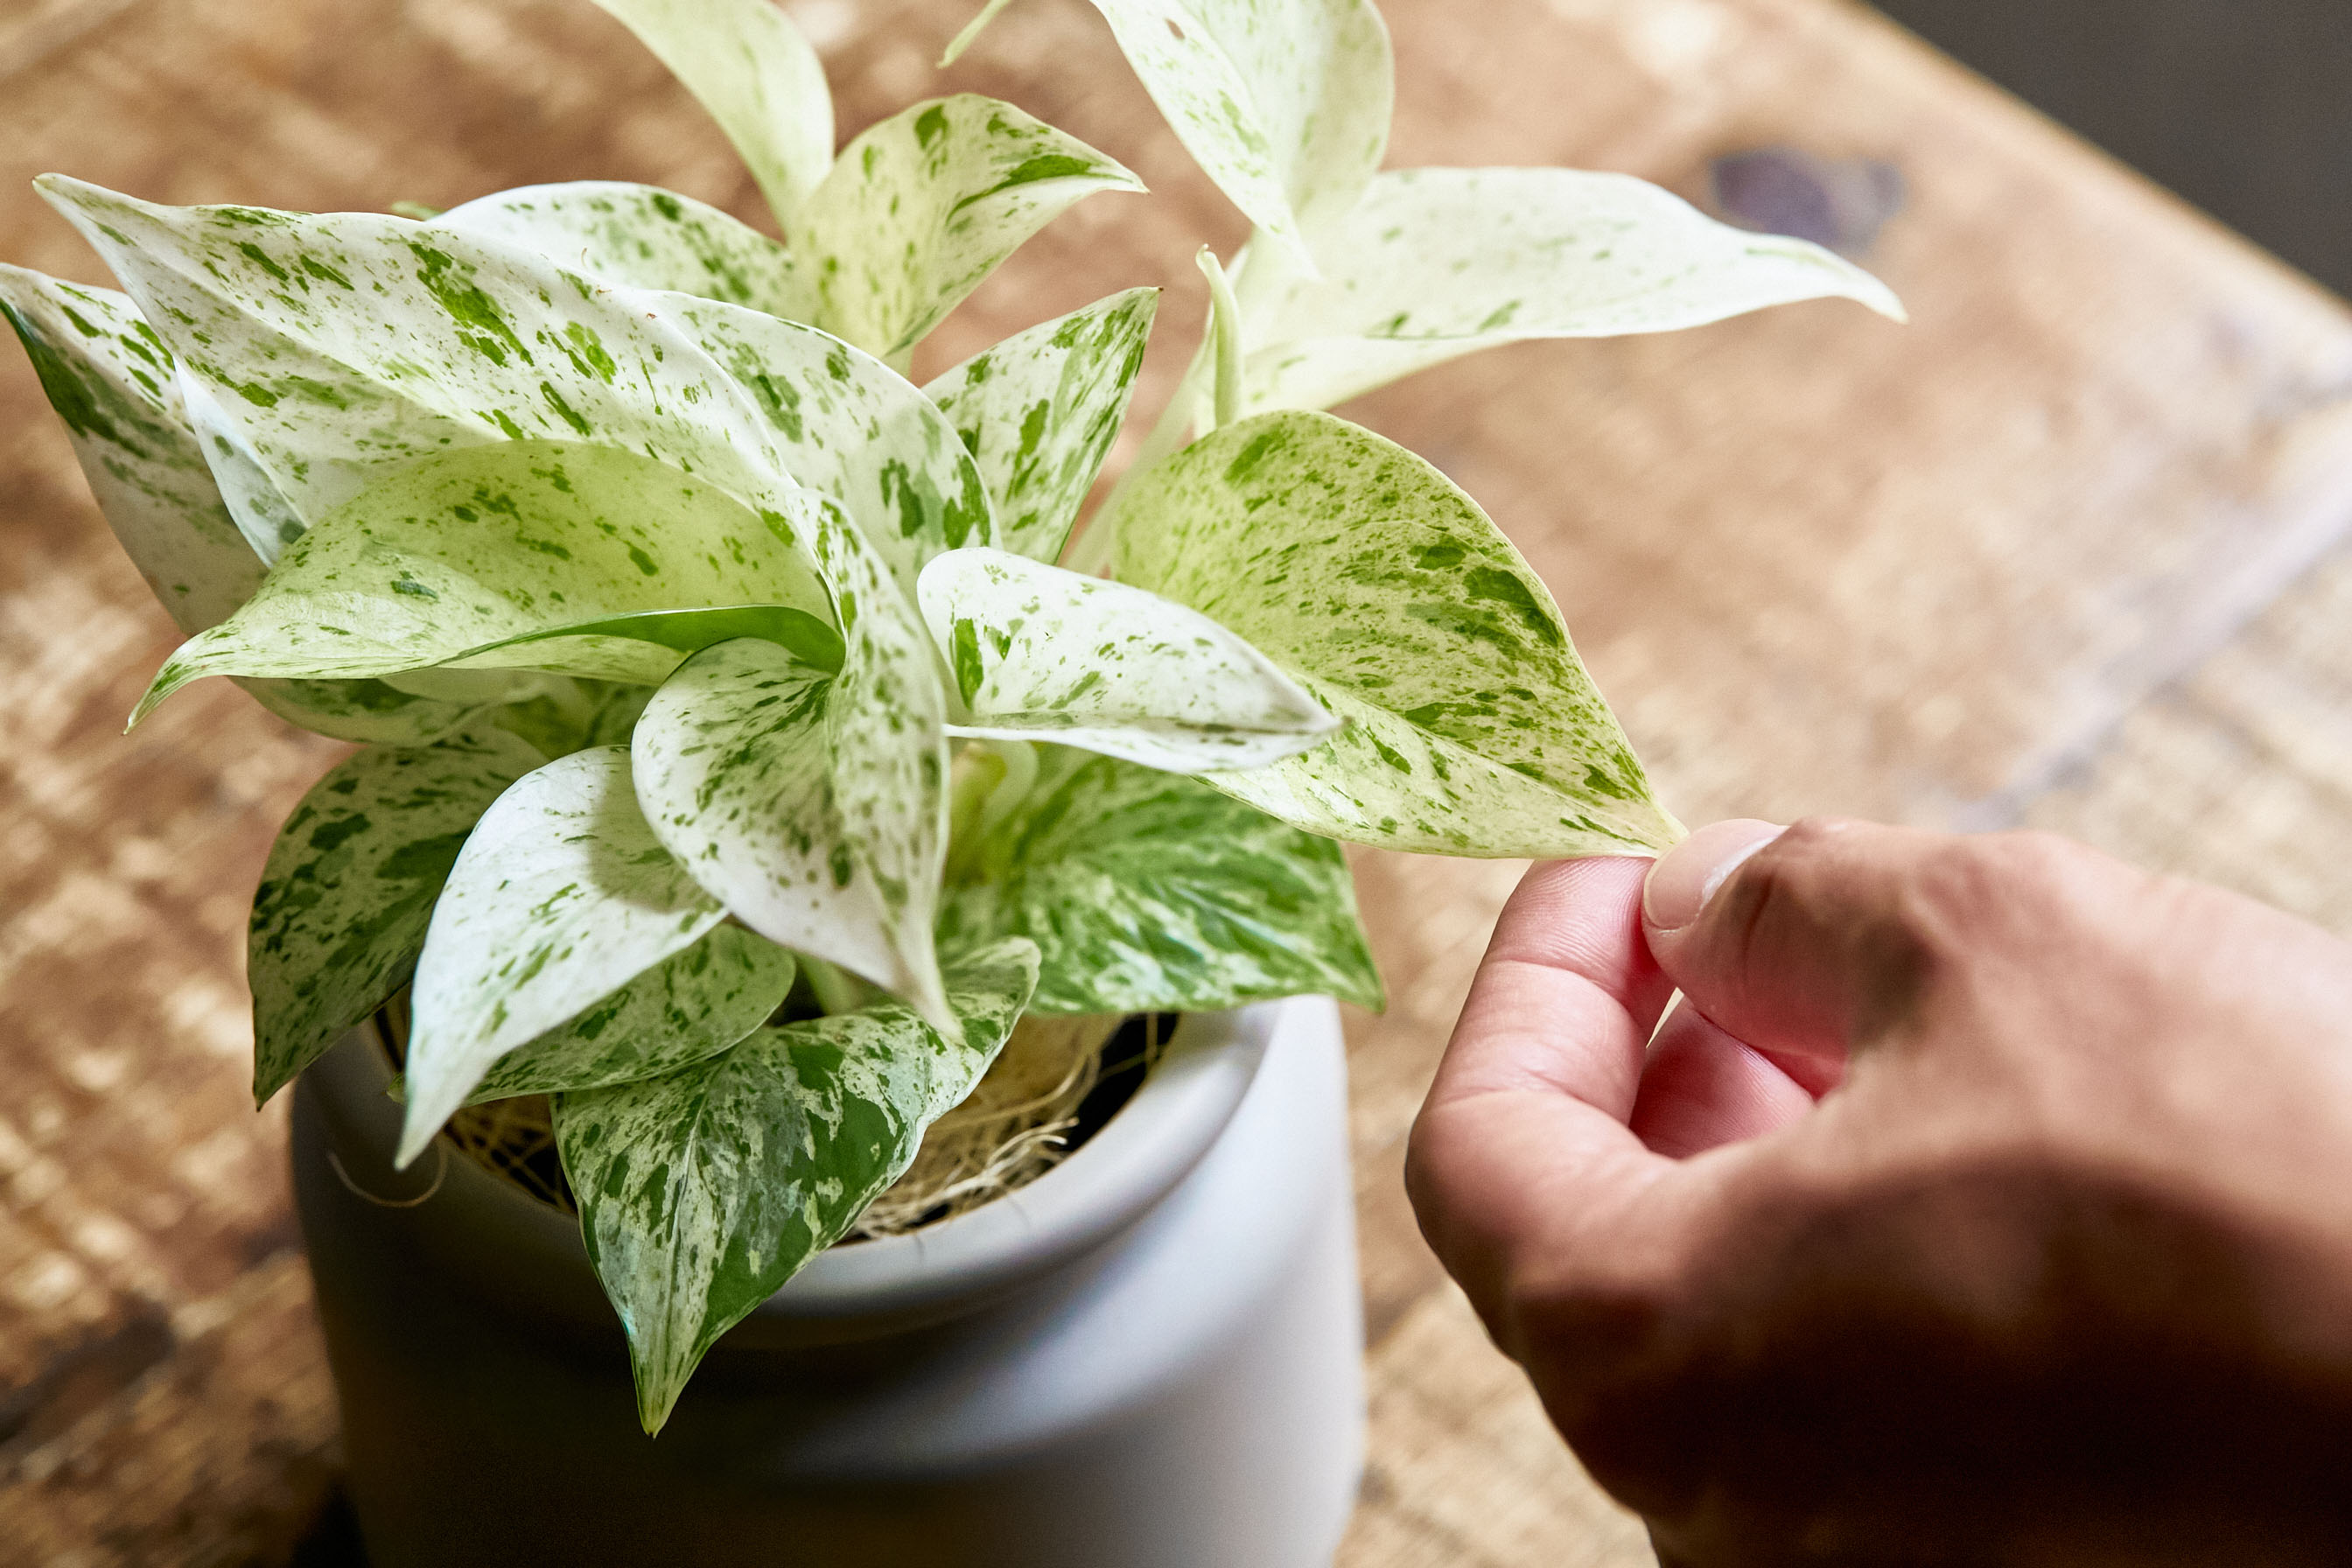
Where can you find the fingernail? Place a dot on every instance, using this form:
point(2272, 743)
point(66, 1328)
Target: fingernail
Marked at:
point(1681, 884)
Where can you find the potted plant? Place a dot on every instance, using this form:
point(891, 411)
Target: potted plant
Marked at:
point(748, 753)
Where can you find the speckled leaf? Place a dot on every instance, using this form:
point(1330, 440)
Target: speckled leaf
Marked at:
point(1043, 654)
point(924, 205)
point(561, 896)
point(524, 553)
point(1284, 103)
point(113, 382)
point(702, 1192)
point(1473, 727)
point(640, 235)
point(747, 64)
point(1437, 263)
point(1145, 892)
point(1040, 410)
point(344, 900)
point(740, 771)
point(686, 1009)
point(348, 344)
point(847, 426)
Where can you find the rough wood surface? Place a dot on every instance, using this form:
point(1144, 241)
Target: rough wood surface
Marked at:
point(2065, 551)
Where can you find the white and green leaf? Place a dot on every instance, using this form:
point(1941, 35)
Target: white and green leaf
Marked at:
point(845, 424)
point(1284, 103)
point(741, 771)
point(1040, 410)
point(703, 1192)
point(923, 205)
point(1473, 727)
point(641, 237)
point(1042, 654)
point(1439, 263)
point(686, 1009)
point(757, 75)
point(561, 896)
point(350, 886)
point(520, 554)
point(1149, 892)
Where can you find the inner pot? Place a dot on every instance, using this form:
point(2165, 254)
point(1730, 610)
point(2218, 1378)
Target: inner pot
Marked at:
point(1149, 1355)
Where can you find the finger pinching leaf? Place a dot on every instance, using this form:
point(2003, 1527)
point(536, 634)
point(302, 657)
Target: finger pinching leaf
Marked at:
point(1043, 654)
point(561, 896)
point(754, 72)
point(703, 1192)
point(1473, 727)
point(1149, 892)
point(926, 204)
point(1439, 263)
point(350, 886)
point(688, 1008)
point(641, 237)
point(1040, 410)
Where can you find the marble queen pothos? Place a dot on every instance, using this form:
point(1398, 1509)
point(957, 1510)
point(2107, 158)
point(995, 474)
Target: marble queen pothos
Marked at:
point(687, 641)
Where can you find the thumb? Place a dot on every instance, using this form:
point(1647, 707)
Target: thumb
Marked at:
point(1802, 941)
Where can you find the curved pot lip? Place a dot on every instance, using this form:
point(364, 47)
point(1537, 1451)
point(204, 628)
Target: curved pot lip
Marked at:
point(1109, 1184)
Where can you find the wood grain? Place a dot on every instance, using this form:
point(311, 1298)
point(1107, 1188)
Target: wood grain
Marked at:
point(2065, 551)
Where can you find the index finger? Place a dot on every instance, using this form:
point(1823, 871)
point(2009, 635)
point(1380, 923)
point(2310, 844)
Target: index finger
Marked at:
point(1523, 1140)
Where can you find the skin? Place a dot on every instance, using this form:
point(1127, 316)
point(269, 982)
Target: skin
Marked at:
point(1986, 1200)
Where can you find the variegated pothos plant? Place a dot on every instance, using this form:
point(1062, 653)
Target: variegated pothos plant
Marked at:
point(695, 654)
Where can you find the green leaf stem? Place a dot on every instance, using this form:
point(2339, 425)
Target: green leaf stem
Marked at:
point(1472, 726)
point(703, 1192)
point(1041, 654)
point(1149, 892)
point(350, 886)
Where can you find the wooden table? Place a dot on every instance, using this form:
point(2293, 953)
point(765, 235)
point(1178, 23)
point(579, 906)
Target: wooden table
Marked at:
point(2067, 552)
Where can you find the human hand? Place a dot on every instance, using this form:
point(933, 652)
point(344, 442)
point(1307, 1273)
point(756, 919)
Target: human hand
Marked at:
point(1985, 1201)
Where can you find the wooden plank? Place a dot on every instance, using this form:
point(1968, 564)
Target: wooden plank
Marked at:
point(1820, 562)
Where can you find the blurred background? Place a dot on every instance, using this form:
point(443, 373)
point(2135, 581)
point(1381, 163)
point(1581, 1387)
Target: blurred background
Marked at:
point(2241, 106)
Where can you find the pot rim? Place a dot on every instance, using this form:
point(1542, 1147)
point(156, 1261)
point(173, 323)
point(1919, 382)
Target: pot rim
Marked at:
point(1108, 1185)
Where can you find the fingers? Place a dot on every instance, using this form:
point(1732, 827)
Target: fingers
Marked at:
point(1704, 1089)
point(1524, 1129)
point(1802, 943)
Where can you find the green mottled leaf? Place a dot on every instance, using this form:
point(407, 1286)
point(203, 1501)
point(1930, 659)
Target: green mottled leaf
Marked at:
point(523, 553)
point(344, 346)
point(1043, 654)
point(1284, 103)
point(754, 70)
point(844, 424)
point(924, 205)
point(113, 382)
point(743, 772)
point(1472, 726)
point(561, 896)
point(1145, 893)
point(686, 1009)
point(115, 385)
point(345, 899)
point(702, 1192)
point(1438, 263)
point(1040, 410)
point(640, 235)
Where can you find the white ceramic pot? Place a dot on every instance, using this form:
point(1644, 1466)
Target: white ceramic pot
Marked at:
point(1149, 1358)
